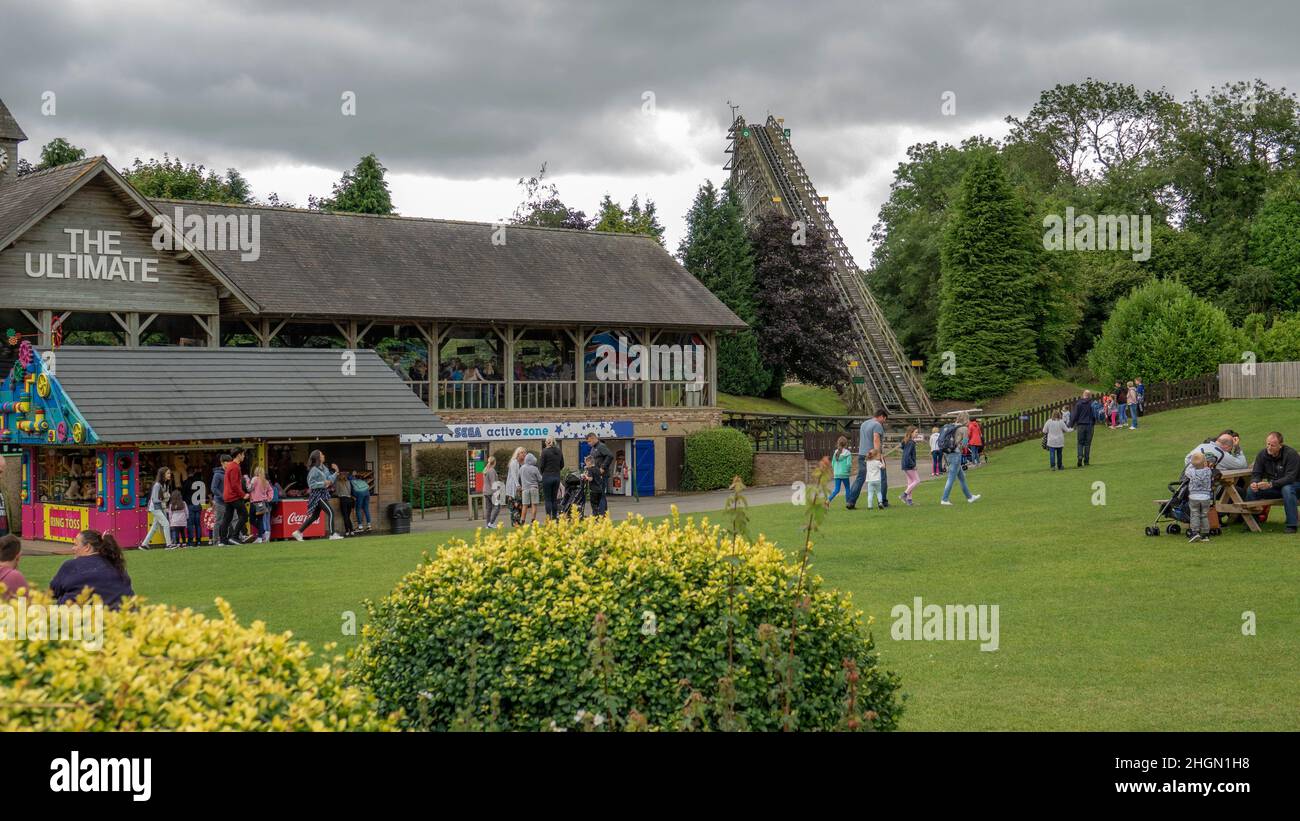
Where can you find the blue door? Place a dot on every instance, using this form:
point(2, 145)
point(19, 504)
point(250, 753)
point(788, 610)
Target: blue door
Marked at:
point(645, 467)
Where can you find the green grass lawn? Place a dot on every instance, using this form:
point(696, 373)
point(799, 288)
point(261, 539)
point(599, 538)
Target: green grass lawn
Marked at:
point(795, 400)
point(1101, 627)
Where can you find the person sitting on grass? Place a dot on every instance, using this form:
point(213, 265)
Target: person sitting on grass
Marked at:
point(1277, 476)
point(841, 469)
point(11, 581)
point(1200, 497)
point(97, 564)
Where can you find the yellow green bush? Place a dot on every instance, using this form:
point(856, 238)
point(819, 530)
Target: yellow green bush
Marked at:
point(589, 623)
point(161, 668)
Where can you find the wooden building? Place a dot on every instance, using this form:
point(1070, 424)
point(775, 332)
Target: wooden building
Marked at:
point(504, 331)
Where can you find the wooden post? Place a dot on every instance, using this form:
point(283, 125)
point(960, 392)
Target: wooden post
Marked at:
point(509, 366)
point(578, 374)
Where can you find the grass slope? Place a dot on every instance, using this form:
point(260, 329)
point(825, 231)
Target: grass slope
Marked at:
point(1101, 627)
point(796, 400)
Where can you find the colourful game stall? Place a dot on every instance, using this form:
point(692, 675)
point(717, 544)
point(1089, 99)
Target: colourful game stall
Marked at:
point(93, 466)
point(68, 484)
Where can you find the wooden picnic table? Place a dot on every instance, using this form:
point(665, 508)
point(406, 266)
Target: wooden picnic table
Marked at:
point(1232, 502)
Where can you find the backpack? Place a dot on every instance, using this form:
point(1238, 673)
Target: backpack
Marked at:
point(948, 438)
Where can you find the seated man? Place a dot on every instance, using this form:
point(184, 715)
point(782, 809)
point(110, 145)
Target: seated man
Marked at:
point(1223, 451)
point(1277, 476)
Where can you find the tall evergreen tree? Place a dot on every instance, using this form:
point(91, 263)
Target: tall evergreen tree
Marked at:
point(716, 250)
point(363, 190)
point(796, 307)
point(987, 304)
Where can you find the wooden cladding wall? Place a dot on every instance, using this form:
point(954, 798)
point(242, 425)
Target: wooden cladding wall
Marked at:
point(183, 287)
point(1260, 380)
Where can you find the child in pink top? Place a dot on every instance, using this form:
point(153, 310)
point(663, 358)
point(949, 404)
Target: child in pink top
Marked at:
point(261, 495)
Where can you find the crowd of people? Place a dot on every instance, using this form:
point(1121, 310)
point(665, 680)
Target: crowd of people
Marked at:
point(243, 502)
point(531, 483)
point(954, 448)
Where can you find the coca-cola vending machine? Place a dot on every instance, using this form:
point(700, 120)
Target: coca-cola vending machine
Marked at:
point(288, 516)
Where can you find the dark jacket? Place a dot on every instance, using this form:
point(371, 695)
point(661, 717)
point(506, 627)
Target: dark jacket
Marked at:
point(217, 488)
point(94, 572)
point(1283, 469)
point(552, 461)
point(604, 461)
point(1082, 413)
point(909, 455)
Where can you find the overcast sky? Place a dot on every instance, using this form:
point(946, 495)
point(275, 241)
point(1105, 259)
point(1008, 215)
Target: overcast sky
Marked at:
point(461, 99)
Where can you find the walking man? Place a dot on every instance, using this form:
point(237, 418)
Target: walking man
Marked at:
point(1083, 419)
point(235, 516)
point(604, 461)
point(871, 436)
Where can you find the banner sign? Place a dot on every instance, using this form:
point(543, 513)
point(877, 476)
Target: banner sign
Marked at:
point(498, 431)
point(62, 523)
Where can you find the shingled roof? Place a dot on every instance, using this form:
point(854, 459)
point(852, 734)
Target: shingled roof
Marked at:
point(9, 128)
point(187, 394)
point(349, 265)
point(31, 195)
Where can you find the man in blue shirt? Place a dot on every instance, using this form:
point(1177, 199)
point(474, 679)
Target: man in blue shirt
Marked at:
point(871, 436)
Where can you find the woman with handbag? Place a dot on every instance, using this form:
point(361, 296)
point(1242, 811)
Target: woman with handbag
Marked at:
point(261, 494)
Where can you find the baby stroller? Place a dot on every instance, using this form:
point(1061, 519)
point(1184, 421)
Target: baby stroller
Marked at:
point(572, 494)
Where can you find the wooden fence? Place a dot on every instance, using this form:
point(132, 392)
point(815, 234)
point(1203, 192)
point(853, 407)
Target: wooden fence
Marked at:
point(815, 435)
point(1025, 425)
point(1260, 380)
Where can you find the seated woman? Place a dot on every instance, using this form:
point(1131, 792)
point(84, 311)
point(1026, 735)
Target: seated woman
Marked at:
point(97, 564)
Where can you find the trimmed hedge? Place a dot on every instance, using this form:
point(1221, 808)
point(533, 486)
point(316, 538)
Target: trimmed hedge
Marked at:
point(161, 668)
point(581, 624)
point(716, 456)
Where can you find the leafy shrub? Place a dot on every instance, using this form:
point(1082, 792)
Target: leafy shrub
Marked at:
point(166, 669)
point(436, 467)
point(555, 625)
point(716, 456)
point(1162, 331)
point(1281, 342)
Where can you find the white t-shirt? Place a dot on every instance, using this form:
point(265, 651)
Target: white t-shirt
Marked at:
point(874, 467)
point(934, 441)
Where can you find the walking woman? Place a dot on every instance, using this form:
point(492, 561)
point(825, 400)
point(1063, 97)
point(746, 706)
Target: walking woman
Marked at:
point(261, 495)
point(319, 480)
point(492, 494)
point(954, 461)
point(98, 563)
point(552, 464)
point(159, 496)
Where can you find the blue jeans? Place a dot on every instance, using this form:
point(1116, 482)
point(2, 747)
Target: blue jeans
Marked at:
point(975, 453)
point(840, 482)
point(955, 472)
point(1287, 493)
point(1055, 459)
point(1122, 417)
point(194, 525)
point(856, 491)
point(363, 507)
point(1133, 414)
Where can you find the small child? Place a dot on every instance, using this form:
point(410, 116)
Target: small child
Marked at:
point(178, 516)
point(874, 466)
point(841, 468)
point(1200, 495)
point(936, 457)
point(530, 479)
